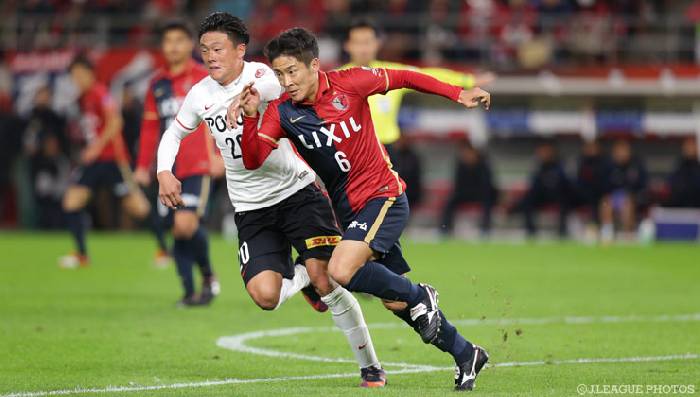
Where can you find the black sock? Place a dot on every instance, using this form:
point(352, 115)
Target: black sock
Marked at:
point(155, 223)
point(375, 279)
point(200, 248)
point(450, 341)
point(182, 254)
point(76, 226)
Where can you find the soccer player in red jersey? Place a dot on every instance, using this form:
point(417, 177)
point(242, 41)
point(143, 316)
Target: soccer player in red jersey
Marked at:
point(193, 165)
point(326, 116)
point(104, 160)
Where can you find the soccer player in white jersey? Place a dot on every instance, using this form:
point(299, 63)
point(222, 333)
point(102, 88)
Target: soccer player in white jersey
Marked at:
point(278, 206)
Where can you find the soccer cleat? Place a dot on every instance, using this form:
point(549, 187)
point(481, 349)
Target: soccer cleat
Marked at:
point(210, 289)
point(189, 301)
point(314, 298)
point(73, 261)
point(425, 315)
point(373, 377)
point(465, 373)
point(162, 259)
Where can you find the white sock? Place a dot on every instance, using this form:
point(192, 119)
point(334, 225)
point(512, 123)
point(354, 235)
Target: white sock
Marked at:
point(291, 287)
point(347, 316)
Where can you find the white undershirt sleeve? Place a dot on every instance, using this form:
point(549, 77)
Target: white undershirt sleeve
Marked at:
point(186, 122)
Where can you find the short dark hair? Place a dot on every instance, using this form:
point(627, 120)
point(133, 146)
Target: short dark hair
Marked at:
point(82, 60)
point(296, 42)
point(363, 23)
point(176, 24)
point(225, 23)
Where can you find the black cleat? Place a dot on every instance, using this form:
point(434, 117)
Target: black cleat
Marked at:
point(189, 301)
point(425, 315)
point(465, 373)
point(210, 289)
point(373, 377)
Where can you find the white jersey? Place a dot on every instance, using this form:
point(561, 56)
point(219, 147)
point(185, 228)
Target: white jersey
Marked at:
point(283, 172)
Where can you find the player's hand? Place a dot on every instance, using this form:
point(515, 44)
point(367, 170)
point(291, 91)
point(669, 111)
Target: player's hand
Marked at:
point(250, 100)
point(90, 154)
point(169, 190)
point(142, 176)
point(233, 113)
point(473, 97)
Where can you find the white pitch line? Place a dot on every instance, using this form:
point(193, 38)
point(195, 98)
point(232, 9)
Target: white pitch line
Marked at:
point(231, 381)
point(238, 343)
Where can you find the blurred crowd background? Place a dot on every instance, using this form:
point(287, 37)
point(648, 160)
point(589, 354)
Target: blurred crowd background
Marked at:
point(595, 117)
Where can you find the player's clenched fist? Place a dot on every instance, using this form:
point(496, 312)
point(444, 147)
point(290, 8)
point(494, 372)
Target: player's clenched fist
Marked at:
point(169, 189)
point(473, 97)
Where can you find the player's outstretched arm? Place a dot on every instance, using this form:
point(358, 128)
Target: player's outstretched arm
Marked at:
point(470, 98)
point(257, 142)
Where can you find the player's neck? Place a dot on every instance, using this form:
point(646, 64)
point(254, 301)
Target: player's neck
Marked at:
point(177, 68)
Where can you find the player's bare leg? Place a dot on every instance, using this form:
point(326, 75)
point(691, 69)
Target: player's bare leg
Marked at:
point(75, 199)
point(269, 289)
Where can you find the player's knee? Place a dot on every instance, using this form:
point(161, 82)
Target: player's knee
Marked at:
point(185, 225)
point(137, 205)
point(75, 198)
point(340, 271)
point(265, 298)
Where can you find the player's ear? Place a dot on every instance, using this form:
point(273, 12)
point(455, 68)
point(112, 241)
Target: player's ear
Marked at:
point(315, 64)
point(240, 50)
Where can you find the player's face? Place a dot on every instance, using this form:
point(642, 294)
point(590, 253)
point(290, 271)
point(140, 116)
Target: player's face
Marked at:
point(82, 77)
point(298, 79)
point(177, 46)
point(223, 59)
point(362, 46)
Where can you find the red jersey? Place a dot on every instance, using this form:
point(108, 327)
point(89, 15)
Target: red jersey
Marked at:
point(95, 104)
point(335, 133)
point(163, 99)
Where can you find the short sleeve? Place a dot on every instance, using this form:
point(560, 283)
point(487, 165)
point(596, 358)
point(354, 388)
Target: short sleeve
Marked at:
point(188, 116)
point(267, 84)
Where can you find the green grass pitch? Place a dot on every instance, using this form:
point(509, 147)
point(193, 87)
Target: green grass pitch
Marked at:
point(552, 315)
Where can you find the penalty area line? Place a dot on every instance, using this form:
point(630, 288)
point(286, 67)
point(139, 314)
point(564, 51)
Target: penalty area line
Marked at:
point(417, 369)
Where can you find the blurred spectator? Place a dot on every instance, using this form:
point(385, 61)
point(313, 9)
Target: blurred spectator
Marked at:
point(684, 182)
point(591, 177)
point(46, 147)
point(548, 185)
point(592, 35)
point(473, 183)
point(408, 164)
point(50, 171)
point(626, 191)
point(42, 123)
